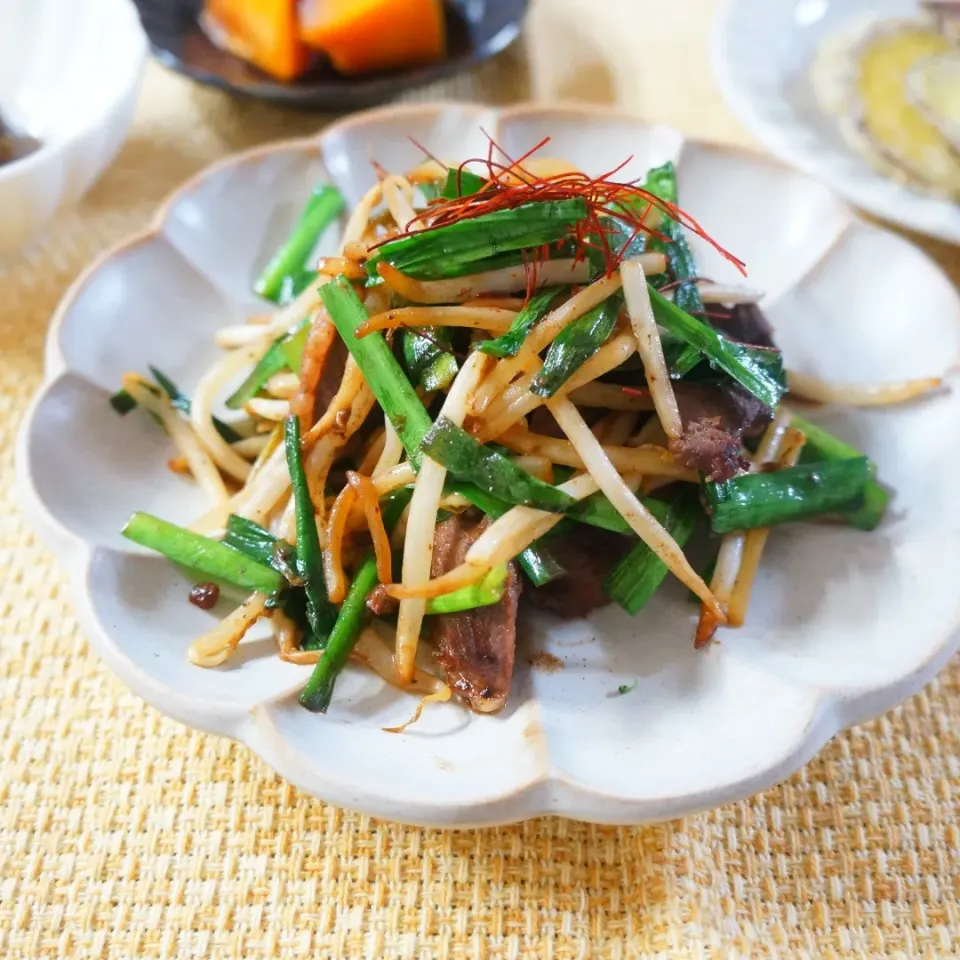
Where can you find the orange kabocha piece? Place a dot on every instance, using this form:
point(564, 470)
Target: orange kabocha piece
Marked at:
point(263, 32)
point(360, 36)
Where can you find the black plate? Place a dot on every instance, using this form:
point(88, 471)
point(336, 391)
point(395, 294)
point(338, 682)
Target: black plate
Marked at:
point(476, 30)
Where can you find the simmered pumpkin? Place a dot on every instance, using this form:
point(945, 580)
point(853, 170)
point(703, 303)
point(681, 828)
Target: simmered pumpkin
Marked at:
point(360, 36)
point(266, 33)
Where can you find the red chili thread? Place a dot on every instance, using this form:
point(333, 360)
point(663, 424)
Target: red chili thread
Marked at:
point(424, 151)
point(601, 195)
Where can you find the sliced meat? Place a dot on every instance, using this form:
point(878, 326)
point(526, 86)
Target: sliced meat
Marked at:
point(542, 422)
point(716, 418)
point(707, 447)
point(321, 370)
point(329, 382)
point(744, 323)
point(754, 415)
point(736, 410)
point(380, 603)
point(476, 648)
point(588, 555)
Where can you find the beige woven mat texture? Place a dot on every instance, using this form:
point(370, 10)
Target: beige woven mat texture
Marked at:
point(125, 835)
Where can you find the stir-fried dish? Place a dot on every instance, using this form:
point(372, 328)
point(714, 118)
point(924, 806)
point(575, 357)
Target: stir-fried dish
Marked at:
point(510, 386)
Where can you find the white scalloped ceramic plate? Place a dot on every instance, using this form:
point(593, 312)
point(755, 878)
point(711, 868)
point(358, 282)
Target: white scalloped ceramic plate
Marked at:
point(843, 626)
point(762, 51)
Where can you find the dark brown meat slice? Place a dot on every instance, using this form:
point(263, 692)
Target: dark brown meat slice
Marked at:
point(380, 603)
point(736, 409)
point(707, 447)
point(476, 648)
point(588, 555)
point(754, 415)
point(329, 382)
point(715, 420)
point(322, 365)
point(744, 323)
point(542, 422)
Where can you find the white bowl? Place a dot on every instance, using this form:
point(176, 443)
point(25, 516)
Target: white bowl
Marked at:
point(762, 51)
point(69, 74)
point(843, 624)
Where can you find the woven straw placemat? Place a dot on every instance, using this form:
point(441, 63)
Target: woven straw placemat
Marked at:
point(125, 835)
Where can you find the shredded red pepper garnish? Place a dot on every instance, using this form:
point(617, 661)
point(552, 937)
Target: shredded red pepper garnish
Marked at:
point(379, 170)
point(602, 195)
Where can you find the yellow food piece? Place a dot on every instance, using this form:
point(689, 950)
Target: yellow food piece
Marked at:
point(889, 119)
point(934, 88)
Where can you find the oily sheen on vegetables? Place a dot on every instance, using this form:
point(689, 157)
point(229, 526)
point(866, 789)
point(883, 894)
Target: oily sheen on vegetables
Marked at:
point(505, 390)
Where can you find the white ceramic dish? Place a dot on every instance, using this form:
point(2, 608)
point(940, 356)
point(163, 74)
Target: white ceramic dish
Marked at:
point(69, 75)
point(762, 51)
point(843, 624)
